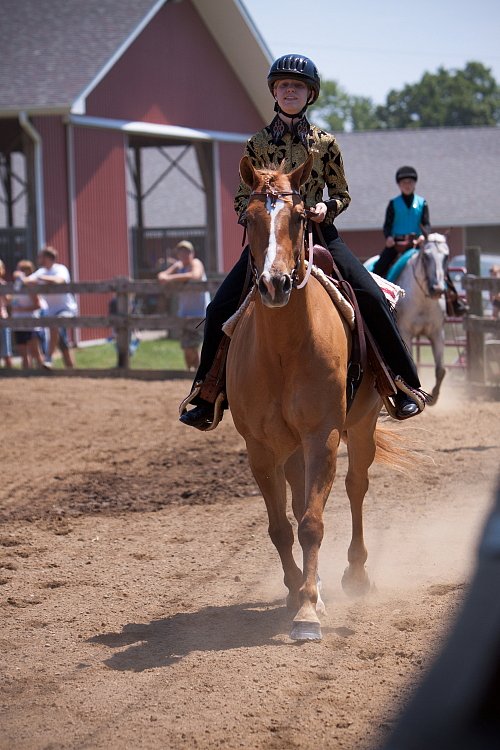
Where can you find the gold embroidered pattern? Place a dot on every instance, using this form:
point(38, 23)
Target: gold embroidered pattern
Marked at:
point(269, 149)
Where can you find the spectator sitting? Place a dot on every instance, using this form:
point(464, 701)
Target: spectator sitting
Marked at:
point(61, 305)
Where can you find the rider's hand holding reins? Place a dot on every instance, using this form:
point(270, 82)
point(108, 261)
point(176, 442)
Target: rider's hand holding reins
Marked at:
point(317, 213)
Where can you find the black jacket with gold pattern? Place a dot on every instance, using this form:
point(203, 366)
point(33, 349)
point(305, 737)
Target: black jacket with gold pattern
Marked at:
point(276, 144)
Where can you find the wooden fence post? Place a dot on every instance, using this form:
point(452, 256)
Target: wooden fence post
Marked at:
point(123, 329)
point(475, 339)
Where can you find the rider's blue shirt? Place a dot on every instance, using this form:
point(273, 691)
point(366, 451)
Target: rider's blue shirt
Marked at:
point(407, 219)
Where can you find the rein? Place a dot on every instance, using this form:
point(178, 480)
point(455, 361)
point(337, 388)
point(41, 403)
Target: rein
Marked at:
point(425, 292)
point(310, 258)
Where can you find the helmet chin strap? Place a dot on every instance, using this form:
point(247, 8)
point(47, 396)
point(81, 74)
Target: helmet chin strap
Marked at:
point(300, 114)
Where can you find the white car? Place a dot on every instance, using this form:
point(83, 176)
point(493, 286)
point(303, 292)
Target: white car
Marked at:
point(457, 268)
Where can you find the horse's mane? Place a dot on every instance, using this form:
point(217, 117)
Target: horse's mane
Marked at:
point(274, 179)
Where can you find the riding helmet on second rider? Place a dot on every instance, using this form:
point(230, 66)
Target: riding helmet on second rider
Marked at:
point(406, 173)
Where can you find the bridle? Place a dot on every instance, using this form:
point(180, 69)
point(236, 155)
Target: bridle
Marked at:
point(274, 195)
point(420, 259)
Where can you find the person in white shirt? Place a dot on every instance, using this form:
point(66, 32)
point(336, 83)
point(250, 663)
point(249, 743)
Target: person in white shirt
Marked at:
point(62, 305)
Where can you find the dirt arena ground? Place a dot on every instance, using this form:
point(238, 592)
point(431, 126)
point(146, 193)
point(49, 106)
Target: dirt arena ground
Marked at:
point(141, 600)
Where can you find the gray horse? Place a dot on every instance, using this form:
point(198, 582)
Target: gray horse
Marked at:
point(421, 311)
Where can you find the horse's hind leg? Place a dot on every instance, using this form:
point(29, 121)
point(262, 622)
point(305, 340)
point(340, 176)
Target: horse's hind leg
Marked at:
point(271, 481)
point(361, 447)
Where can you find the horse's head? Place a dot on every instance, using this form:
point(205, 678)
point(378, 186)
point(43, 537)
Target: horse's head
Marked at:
point(435, 254)
point(275, 225)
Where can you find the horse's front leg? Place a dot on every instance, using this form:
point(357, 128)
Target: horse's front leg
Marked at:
point(437, 344)
point(295, 476)
point(320, 464)
point(271, 481)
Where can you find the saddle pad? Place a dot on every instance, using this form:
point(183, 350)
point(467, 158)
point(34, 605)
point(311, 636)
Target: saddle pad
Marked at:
point(232, 322)
point(392, 292)
point(338, 299)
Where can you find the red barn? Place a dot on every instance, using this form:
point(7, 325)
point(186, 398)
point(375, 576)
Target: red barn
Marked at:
point(104, 104)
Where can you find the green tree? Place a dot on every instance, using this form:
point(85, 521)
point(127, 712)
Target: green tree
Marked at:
point(363, 114)
point(338, 111)
point(464, 98)
point(331, 108)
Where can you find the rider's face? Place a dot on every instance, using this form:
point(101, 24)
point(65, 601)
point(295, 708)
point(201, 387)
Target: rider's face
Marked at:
point(407, 185)
point(291, 95)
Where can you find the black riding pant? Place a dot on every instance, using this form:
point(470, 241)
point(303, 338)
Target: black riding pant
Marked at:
point(385, 260)
point(374, 307)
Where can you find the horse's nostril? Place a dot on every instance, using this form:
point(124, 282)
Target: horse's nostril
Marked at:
point(287, 283)
point(262, 286)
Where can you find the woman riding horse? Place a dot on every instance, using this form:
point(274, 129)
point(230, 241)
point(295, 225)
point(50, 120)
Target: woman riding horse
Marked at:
point(288, 141)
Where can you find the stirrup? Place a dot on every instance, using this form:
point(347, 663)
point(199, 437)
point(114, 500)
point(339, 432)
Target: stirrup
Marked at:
point(190, 397)
point(218, 405)
point(420, 398)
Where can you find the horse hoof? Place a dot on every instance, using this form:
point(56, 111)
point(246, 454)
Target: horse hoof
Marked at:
point(306, 631)
point(356, 584)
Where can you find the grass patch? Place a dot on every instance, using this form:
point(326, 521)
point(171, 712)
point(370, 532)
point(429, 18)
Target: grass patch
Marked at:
point(158, 354)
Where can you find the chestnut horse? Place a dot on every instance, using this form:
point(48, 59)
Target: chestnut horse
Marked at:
point(286, 385)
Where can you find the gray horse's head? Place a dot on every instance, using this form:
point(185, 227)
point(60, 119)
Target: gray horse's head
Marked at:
point(435, 254)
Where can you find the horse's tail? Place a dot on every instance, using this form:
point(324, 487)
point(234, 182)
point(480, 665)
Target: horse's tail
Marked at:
point(392, 450)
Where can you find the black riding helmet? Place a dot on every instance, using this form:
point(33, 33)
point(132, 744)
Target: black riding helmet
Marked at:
point(406, 173)
point(295, 66)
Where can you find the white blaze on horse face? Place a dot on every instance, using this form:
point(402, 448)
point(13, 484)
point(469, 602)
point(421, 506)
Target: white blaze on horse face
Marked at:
point(273, 208)
point(436, 252)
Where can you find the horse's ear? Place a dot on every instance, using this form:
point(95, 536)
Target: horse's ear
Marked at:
point(301, 174)
point(247, 171)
